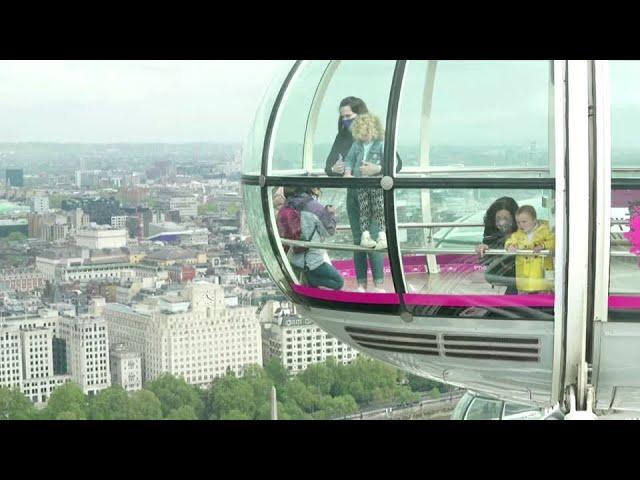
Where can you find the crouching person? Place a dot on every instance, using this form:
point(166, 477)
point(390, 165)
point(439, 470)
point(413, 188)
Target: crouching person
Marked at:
point(317, 223)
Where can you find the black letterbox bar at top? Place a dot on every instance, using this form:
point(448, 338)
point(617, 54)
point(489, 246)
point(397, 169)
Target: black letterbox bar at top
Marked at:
point(404, 182)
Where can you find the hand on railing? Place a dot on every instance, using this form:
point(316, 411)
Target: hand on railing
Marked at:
point(481, 249)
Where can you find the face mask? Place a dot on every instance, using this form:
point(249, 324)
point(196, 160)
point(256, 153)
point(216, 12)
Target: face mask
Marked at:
point(505, 226)
point(346, 123)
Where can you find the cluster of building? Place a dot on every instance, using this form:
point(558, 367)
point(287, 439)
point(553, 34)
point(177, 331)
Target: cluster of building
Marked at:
point(196, 331)
point(136, 274)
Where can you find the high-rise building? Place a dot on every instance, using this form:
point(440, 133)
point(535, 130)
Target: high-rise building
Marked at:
point(119, 222)
point(54, 232)
point(34, 225)
point(47, 226)
point(40, 205)
point(14, 177)
point(190, 333)
point(187, 206)
point(87, 344)
point(100, 210)
point(78, 219)
point(28, 350)
point(138, 220)
point(87, 178)
point(10, 357)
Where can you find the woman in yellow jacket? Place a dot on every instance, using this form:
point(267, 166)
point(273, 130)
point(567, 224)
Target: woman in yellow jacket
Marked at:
point(532, 234)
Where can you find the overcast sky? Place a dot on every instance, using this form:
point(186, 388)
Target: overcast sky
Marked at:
point(215, 101)
point(130, 101)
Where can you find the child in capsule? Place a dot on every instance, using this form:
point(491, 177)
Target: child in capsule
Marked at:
point(365, 160)
point(532, 234)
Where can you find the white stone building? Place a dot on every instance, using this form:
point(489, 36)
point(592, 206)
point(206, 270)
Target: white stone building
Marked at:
point(186, 206)
point(149, 275)
point(97, 238)
point(126, 368)
point(87, 348)
point(40, 204)
point(190, 334)
point(27, 355)
point(298, 343)
point(37, 346)
point(22, 280)
point(10, 357)
point(49, 261)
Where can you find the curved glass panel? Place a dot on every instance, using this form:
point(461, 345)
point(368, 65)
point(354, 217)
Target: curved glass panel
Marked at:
point(333, 222)
point(624, 276)
point(439, 232)
point(256, 221)
point(461, 407)
point(252, 148)
point(624, 266)
point(476, 118)
point(625, 118)
point(484, 409)
point(516, 411)
point(289, 133)
point(369, 80)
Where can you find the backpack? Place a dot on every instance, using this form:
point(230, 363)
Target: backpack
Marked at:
point(289, 222)
point(289, 226)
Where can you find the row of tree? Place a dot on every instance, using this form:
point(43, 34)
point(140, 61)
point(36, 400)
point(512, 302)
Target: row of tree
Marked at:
point(322, 391)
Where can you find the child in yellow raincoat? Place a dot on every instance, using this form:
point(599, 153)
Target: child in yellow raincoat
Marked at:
point(532, 234)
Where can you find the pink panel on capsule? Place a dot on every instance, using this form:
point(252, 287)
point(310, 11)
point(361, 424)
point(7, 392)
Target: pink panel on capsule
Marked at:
point(351, 297)
point(535, 300)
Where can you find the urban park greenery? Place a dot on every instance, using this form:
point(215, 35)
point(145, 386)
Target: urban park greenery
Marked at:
point(323, 391)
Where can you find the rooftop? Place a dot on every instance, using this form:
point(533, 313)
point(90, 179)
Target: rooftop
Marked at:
point(171, 254)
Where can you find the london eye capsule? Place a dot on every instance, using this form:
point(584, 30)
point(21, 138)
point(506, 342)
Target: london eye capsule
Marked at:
point(473, 222)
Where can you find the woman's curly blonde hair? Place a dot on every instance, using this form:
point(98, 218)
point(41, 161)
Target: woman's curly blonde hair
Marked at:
point(367, 124)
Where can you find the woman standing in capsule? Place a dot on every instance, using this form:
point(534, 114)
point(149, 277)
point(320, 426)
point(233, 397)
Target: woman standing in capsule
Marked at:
point(349, 109)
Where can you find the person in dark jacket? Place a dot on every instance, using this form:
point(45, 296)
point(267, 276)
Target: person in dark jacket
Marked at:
point(350, 108)
point(499, 224)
